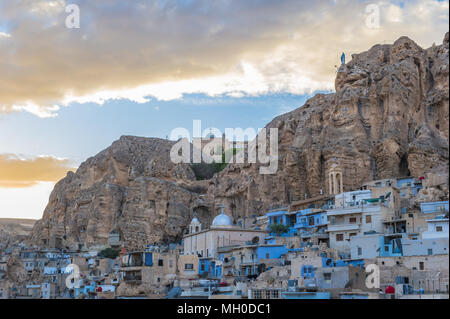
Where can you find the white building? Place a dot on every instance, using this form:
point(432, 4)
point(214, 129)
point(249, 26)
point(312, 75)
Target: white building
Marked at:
point(354, 213)
point(222, 233)
point(437, 228)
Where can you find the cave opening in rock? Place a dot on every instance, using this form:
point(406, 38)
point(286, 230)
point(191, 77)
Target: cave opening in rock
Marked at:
point(404, 166)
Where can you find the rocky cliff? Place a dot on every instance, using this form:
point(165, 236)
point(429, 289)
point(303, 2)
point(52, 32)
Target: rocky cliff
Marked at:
point(389, 117)
point(131, 188)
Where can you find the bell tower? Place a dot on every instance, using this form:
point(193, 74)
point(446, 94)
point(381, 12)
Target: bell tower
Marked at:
point(195, 226)
point(335, 183)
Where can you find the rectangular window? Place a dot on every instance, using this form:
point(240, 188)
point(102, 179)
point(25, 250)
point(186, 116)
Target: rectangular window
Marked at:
point(189, 266)
point(327, 276)
point(352, 220)
point(267, 256)
point(421, 265)
point(430, 251)
point(359, 251)
point(170, 263)
point(339, 237)
point(368, 219)
point(160, 262)
point(438, 228)
point(352, 234)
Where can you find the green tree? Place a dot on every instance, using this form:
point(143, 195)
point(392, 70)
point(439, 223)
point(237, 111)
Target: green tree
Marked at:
point(109, 253)
point(278, 229)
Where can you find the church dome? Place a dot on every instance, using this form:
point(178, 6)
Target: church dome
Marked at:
point(222, 220)
point(195, 221)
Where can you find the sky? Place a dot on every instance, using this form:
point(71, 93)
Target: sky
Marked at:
point(146, 67)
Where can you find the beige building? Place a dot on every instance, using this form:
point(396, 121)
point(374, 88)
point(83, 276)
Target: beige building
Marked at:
point(188, 266)
point(222, 233)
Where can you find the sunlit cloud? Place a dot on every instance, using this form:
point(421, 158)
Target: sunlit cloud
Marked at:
point(20, 172)
point(139, 50)
point(4, 35)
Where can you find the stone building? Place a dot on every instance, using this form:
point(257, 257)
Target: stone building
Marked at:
point(222, 233)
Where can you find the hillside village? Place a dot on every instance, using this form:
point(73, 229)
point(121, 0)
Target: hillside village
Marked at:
point(317, 248)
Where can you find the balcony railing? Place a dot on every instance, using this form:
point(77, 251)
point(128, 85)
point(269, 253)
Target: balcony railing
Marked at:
point(342, 227)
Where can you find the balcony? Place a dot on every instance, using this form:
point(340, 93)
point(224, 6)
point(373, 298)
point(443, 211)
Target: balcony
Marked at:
point(351, 208)
point(301, 225)
point(249, 262)
point(318, 234)
point(343, 227)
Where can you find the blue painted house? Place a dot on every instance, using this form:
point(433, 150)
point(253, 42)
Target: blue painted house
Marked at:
point(434, 207)
point(402, 183)
point(208, 266)
point(285, 218)
point(270, 252)
point(312, 222)
point(304, 295)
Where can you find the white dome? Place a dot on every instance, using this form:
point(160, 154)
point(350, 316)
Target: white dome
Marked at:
point(222, 220)
point(195, 221)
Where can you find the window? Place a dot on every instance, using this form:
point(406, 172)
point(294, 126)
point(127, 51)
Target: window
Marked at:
point(339, 237)
point(352, 220)
point(267, 256)
point(352, 234)
point(189, 266)
point(430, 251)
point(438, 228)
point(327, 276)
point(160, 262)
point(368, 219)
point(171, 263)
point(421, 265)
point(359, 251)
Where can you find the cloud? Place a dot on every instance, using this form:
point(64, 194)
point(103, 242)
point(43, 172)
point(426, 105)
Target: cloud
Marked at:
point(17, 172)
point(164, 49)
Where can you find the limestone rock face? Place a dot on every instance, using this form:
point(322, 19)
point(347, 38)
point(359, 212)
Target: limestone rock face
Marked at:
point(131, 188)
point(389, 117)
